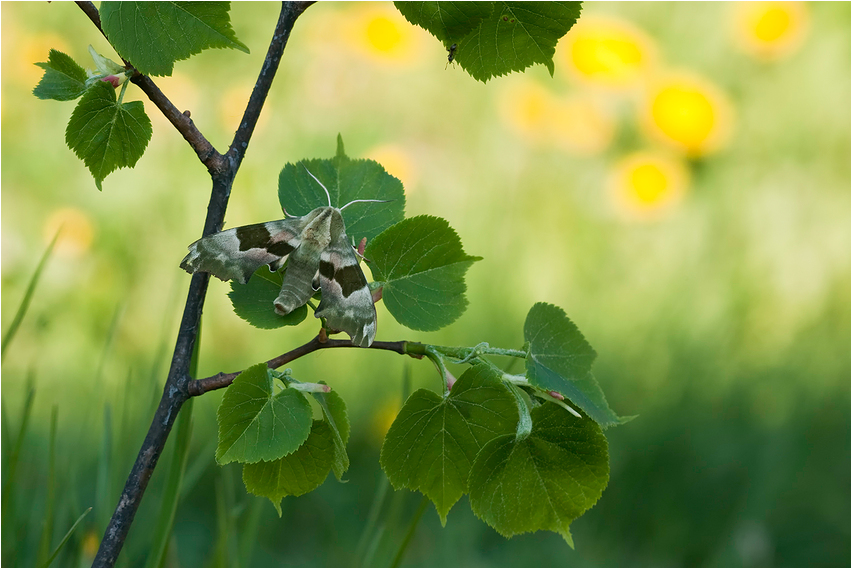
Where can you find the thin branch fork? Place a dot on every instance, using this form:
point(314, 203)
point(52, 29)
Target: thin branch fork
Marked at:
point(222, 170)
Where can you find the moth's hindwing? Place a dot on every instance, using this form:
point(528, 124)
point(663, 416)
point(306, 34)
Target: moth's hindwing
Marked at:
point(237, 253)
point(346, 303)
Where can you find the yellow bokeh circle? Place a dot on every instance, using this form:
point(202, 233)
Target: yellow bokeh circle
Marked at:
point(578, 124)
point(647, 185)
point(770, 30)
point(607, 52)
point(381, 34)
point(76, 231)
point(688, 113)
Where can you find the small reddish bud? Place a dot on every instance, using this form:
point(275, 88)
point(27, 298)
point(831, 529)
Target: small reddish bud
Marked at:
point(451, 380)
point(323, 336)
point(112, 80)
point(361, 246)
point(556, 395)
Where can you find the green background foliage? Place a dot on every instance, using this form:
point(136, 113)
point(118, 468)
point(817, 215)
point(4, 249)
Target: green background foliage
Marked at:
point(723, 324)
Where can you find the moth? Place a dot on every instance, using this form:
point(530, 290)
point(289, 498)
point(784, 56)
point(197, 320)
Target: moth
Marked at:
point(319, 256)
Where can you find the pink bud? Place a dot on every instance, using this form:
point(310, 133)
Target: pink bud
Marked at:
point(361, 246)
point(451, 380)
point(556, 395)
point(112, 80)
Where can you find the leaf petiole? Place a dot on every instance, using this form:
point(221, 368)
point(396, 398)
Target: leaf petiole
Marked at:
point(121, 95)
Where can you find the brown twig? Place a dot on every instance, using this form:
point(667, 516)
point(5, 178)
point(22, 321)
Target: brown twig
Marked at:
point(208, 155)
point(222, 380)
point(223, 171)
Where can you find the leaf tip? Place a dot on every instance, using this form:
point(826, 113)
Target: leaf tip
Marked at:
point(340, 151)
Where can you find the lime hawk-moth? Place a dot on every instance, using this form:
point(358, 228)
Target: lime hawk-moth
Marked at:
point(319, 256)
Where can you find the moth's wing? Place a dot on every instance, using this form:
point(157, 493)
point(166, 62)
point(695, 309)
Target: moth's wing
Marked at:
point(346, 303)
point(237, 253)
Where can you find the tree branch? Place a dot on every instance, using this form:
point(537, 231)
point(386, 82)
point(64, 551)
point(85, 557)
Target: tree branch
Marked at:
point(208, 155)
point(221, 380)
point(175, 391)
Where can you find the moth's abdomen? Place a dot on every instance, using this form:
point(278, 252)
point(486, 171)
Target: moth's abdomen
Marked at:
point(296, 288)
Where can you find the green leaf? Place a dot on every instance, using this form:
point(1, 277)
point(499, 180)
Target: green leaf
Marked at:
point(433, 441)
point(105, 134)
point(253, 301)
point(543, 481)
point(256, 425)
point(421, 265)
point(515, 36)
point(346, 180)
point(559, 359)
point(63, 79)
point(153, 35)
point(334, 412)
point(447, 21)
point(295, 474)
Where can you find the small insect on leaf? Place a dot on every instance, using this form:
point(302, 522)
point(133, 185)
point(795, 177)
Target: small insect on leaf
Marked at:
point(451, 54)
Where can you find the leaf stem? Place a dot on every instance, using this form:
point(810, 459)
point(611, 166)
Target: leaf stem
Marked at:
point(121, 95)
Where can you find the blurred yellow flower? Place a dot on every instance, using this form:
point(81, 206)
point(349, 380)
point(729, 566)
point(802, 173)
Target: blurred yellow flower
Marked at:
point(607, 52)
point(91, 542)
point(396, 162)
point(77, 231)
point(580, 125)
point(577, 124)
point(688, 113)
point(232, 105)
point(770, 30)
point(525, 108)
point(383, 419)
point(645, 185)
point(382, 34)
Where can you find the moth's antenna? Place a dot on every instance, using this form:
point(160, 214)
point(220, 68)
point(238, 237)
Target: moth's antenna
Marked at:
point(320, 183)
point(361, 201)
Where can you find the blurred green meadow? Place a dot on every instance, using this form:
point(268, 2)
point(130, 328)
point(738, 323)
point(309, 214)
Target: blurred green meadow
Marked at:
point(681, 187)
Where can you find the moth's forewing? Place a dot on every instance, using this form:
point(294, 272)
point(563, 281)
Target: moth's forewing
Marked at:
point(237, 253)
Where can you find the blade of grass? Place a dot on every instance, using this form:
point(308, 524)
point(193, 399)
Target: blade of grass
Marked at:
point(220, 555)
point(103, 494)
point(410, 533)
point(372, 520)
point(392, 515)
point(171, 495)
point(5, 433)
point(28, 295)
point(50, 504)
point(16, 451)
point(248, 535)
point(67, 537)
point(197, 469)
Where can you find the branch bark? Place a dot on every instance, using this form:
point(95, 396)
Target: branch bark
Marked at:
point(223, 169)
point(222, 380)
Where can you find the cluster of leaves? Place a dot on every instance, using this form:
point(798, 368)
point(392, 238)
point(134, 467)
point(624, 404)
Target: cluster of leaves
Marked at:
point(527, 459)
point(487, 39)
point(104, 132)
point(490, 39)
point(265, 423)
